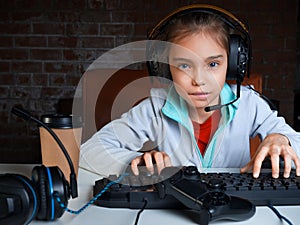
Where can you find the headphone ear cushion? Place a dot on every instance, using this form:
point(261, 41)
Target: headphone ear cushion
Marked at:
point(61, 188)
point(22, 201)
point(50, 182)
point(39, 178)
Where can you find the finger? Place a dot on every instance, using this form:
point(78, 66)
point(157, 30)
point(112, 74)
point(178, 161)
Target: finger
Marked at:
point(296, 160)
point(257, 162)
point(148, 162)
point(247, 168)
point(134, 165)
point(297, 164)
point(287, 154)
point(167, 160)
point(158, 156)
point(275, 165)
point(287, 166)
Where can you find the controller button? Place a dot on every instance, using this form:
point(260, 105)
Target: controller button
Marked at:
point(191, 170)
point(215, 184)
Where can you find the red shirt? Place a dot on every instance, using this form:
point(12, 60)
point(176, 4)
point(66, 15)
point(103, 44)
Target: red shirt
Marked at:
point(204, 132)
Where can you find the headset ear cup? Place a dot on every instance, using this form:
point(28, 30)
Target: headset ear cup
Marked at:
point(238, 58)
point(50, 181)
point(39, 179)
point(22, 202)
point(157, 58)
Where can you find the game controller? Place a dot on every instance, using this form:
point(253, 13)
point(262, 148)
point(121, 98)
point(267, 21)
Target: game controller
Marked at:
point(207, 198)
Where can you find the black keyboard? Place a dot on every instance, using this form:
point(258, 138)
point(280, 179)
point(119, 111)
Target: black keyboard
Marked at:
point(133, 190)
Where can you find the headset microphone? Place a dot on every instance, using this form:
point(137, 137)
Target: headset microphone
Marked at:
point(26, 116)
point(216, 107)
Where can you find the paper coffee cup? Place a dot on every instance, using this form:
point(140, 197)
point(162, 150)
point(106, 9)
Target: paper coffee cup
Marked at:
point(68, 128)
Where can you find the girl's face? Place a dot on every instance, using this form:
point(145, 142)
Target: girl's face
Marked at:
point(198, 67)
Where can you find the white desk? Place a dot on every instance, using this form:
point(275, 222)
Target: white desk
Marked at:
point(111, 216)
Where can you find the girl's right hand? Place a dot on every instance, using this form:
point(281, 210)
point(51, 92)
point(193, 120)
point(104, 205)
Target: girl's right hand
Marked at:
point(150, 160)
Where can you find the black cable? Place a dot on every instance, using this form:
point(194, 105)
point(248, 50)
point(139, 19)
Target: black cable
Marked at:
point(270, 103)
point(139, 213)
point(281, 217)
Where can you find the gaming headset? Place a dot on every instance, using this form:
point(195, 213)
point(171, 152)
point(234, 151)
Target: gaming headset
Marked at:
point(23, 199)
point(240, 54)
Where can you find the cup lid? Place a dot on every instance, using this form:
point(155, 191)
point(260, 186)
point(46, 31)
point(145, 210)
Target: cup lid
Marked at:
point(62, 121)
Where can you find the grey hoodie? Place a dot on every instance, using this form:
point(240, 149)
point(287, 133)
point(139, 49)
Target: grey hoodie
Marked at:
point(161, 122)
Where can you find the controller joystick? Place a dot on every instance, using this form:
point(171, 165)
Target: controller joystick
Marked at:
point(191, 171)
point(215, 184)
point(207, 198)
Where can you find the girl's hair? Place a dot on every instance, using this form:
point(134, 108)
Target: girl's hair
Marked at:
point(194, 23)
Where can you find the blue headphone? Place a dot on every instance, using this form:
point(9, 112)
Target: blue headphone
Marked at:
point(23, 199)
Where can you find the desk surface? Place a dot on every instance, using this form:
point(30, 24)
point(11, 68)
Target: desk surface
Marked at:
point(108, 216)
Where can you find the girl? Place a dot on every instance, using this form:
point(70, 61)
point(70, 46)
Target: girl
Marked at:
point(175, 121)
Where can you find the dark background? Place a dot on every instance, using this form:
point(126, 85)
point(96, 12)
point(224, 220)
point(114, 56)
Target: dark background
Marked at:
point(46, 45)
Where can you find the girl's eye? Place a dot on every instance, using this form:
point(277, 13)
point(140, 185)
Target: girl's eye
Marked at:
point(213, 64)
point(185, 67)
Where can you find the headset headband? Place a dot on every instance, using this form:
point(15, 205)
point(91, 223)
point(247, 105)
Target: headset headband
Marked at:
point(204, 8)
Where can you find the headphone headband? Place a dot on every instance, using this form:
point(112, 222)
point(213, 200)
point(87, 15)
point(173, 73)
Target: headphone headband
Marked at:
point(196, 8)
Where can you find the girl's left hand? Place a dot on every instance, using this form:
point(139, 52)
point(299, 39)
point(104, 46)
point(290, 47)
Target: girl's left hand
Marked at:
point(274, 145)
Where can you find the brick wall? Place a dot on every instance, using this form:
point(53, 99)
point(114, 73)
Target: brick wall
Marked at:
point(45, 47)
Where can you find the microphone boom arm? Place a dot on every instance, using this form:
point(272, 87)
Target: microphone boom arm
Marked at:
point(238, 92)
